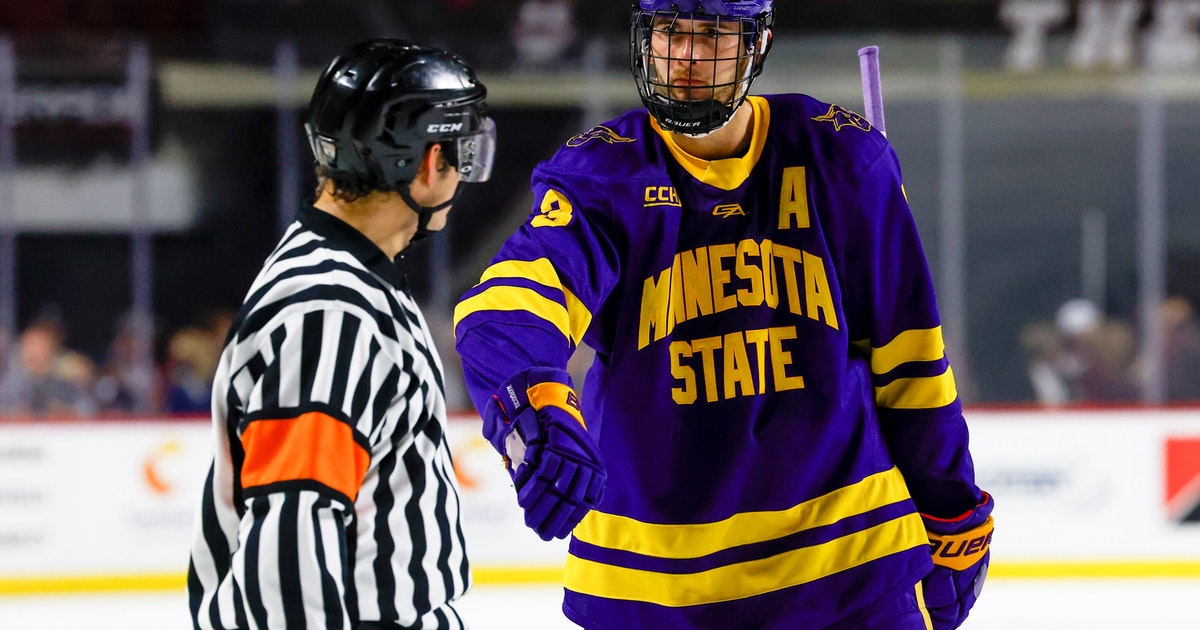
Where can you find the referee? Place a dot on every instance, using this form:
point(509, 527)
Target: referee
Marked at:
point(331, 501)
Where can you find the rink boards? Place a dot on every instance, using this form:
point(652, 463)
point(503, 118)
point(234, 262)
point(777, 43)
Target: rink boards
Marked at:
point(109, 505)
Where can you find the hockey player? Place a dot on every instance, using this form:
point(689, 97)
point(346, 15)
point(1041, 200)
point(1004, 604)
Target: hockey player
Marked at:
point(332, 500)
point(770, 436)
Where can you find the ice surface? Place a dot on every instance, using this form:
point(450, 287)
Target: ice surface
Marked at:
point(1102, 604)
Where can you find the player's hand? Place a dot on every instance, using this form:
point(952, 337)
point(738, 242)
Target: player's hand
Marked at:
point(535, 423)
point(961, 549)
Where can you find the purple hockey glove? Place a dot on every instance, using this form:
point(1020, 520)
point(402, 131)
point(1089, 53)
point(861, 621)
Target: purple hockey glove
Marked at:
point(961, 548)
point(535, 423)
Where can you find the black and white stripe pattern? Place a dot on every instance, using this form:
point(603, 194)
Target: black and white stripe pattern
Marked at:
point(327, 328)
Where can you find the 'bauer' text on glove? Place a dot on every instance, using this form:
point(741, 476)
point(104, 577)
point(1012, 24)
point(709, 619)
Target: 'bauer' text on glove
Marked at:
point(961, 548)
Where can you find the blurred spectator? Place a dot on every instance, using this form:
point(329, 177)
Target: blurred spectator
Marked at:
point(1042, 345)
point(1181, 343)
point(543, 33)
point(44, 378)
point(191, 362)
point(1097, 354)
point(1082, 357)
point(125, 383)
point(96, 26)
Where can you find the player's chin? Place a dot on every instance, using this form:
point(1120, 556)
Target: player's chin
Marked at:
point(691, 93)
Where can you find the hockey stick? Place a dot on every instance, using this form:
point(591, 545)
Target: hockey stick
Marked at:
point(868, 64)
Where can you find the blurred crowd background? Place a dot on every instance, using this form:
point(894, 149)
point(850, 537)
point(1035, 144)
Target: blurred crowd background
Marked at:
point(151, 152)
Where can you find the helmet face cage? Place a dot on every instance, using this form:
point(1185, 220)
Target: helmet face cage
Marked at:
point(694, 69)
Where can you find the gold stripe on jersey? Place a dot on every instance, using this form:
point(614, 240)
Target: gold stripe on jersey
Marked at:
point(572, 321)
point(509, 298)
point(730, 173)
point(313, 446)
point(911, 345)
point(928, 392)
point(924, 609)
point(746, 579)
point(701, 539)
point(542, 272)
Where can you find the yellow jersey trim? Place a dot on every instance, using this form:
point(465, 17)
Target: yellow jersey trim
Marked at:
point(911, 345)
point(701, 539)
point(541, 271)
point(924, 609)
point(928, 392)
point(508, 298)
point(726, 174)
point(746, 579)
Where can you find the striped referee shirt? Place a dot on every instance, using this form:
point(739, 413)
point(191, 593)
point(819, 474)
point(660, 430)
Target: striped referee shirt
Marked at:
point(331, 501)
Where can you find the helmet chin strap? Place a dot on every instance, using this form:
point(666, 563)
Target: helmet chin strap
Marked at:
point(425, 213)
point(722, 125)
point(704, 134)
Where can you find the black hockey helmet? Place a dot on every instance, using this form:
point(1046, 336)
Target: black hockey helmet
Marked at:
point(750, 20)
point(382, 102)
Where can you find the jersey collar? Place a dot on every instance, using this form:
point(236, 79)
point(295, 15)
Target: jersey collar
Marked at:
point(729, 173)
point(340, 235)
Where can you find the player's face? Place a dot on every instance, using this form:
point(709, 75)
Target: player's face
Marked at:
point(697, 59)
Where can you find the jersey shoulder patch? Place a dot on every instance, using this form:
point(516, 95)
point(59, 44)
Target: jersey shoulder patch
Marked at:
point(599, 133)
point(840, 117)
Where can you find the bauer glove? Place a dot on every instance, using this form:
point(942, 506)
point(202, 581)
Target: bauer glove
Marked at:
point(535, 423)
point(961, 548)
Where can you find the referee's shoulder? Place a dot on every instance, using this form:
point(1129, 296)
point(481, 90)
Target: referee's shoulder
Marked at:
point(310, 279)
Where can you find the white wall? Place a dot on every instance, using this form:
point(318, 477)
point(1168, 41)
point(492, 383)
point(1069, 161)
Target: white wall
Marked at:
point(1080, 488)
point(85, 505)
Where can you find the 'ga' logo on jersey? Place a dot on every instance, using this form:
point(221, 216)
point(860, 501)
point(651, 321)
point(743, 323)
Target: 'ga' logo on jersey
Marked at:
point(729, 210)
point(597, 133)
point(842, 117)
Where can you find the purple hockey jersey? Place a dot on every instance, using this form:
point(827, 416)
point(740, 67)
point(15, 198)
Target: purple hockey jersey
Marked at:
point(770, 393)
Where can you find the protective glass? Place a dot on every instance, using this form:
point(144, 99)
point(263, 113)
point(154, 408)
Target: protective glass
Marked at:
point(475, 154)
